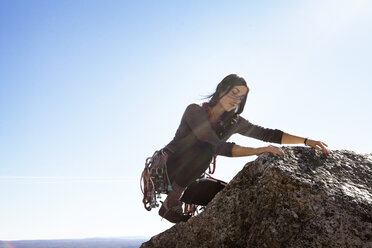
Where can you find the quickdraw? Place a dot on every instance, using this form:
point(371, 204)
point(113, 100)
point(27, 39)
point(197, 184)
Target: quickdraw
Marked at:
point(154, 180)
point(192, 209)
point(212, 170)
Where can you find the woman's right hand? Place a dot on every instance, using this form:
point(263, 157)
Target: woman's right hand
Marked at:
point(274, 150)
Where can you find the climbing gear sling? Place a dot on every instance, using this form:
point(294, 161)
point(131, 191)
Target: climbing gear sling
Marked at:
point(155, 180)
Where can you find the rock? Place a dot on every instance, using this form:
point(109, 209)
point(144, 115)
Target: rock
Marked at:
point(304, 199)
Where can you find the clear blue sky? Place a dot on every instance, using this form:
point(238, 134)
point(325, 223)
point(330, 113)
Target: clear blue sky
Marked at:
point(89, 89)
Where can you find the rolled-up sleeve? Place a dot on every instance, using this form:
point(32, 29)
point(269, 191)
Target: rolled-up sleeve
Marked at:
point(224, 149)
point(254, 131)
point(198, 121)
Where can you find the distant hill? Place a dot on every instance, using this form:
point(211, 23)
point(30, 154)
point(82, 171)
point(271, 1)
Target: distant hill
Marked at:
point(76, 243)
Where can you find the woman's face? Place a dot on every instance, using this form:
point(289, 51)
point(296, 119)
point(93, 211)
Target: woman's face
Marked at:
point(233, 98)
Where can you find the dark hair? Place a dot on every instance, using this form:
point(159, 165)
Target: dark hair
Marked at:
point(228, 119)
point(225, 86)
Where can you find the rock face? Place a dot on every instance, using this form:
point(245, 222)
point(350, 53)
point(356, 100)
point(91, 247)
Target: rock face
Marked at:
point(304, 199)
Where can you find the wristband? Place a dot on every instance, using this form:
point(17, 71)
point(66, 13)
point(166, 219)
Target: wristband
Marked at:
point(305, 141)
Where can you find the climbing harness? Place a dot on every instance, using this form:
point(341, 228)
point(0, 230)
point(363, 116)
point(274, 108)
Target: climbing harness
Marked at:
point(155, 180)
point(195, 209)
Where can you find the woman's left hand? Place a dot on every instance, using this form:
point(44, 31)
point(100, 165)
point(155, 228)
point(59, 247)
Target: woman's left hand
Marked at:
point(318, 145)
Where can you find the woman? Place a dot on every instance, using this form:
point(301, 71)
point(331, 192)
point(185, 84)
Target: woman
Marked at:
point(203, 133)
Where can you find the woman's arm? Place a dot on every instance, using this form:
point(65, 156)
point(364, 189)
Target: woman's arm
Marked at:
point(275, 136)
point(240, 151)
point(292, 139)
point(248, 129)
